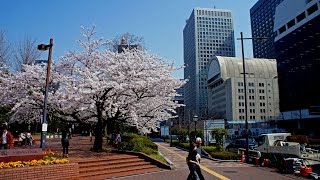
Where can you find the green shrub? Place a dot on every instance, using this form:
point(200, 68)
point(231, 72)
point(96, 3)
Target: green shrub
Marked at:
point(149, 151)
point(210, 149)
point(159, 157)
point(134, 142)
point(224, 155)
point(182, 145)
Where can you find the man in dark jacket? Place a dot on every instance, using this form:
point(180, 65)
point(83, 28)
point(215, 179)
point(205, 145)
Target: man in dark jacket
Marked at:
point(193, 161)
point(65, 142)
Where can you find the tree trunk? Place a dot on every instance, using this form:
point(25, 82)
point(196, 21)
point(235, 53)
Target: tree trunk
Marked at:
point(97, 146)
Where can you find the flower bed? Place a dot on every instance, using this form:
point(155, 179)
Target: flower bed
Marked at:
point(52, 166)
point(50, 157)
point(40, 162)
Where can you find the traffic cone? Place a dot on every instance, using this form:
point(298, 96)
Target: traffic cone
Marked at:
point(257, 162)
point(243, 159)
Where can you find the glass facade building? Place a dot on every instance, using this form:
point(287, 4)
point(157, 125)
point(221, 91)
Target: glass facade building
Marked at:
point(297, 45)
point(207, 33)
point(262, 20)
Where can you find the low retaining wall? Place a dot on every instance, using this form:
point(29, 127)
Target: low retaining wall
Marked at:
point(145, 157)
point(68, 171)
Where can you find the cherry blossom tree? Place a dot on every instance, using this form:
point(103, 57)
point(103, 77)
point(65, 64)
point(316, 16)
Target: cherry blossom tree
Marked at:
point(134, 87)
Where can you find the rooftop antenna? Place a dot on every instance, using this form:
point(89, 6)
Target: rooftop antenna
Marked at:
point(213, 4)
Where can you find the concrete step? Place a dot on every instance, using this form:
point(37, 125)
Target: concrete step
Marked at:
point(104, 158)
point(112, 167)
point(120, 171)
point(108, 163)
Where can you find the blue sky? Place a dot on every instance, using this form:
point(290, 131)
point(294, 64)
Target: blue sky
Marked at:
point(159, 22)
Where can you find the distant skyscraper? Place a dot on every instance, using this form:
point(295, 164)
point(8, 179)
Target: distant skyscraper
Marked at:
point(207, 33)
point(123, 45)
point(262, 19)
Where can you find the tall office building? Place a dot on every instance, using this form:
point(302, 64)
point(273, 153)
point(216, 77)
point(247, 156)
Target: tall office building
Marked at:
point(297, 24)
point(207, 33)
point(262, 19)
point(226, 89)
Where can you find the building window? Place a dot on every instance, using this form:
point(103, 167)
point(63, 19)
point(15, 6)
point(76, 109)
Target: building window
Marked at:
point(282, 29)
point(261, 91)
point(301, 16)
point(291, 23)
point(312, 9)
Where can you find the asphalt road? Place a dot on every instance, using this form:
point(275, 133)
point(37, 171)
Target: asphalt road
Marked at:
point(211, 169)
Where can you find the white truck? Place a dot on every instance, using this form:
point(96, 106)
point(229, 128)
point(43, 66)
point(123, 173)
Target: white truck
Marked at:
point(277, 144)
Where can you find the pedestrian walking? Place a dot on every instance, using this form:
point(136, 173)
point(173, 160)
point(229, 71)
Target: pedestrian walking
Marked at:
point(6, 139)
point(199, 149)
point(90, 134)
point(193, 161)
point(65, 142)
point(117, 139)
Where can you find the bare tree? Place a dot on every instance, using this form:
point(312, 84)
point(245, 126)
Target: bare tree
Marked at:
point(5, 50)
point(130, 40)
point(26, 52)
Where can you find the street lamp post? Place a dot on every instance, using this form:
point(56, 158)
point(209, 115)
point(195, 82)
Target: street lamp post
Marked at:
point(195, 119)
point(171, 125)
point(245, 91)
point(44, 47)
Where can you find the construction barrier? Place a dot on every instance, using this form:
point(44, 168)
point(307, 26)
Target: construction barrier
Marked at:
point(243, 159)
point(305, 171)
point(266, 162)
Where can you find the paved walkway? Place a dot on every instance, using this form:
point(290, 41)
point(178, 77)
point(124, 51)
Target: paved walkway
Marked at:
point(80, 149)
point(211, 169)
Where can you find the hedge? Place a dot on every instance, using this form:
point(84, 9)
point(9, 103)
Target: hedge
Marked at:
point(225, 155)
point(134, 142)
point(213, 151)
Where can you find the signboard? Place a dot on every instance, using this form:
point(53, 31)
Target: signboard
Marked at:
point(209, 125)
point(29, 154)
point(164, 130)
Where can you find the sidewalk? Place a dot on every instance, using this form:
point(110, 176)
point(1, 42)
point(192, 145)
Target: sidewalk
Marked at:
point(79, 148)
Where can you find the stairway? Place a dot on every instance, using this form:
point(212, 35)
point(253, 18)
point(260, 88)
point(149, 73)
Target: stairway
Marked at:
point(116, 165)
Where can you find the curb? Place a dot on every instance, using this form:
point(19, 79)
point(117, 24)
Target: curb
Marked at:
point(145, 157)
point(168, 161)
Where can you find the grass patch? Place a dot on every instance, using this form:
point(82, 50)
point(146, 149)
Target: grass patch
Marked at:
point(159, 157)
point(137, 143)
point(225, 155)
